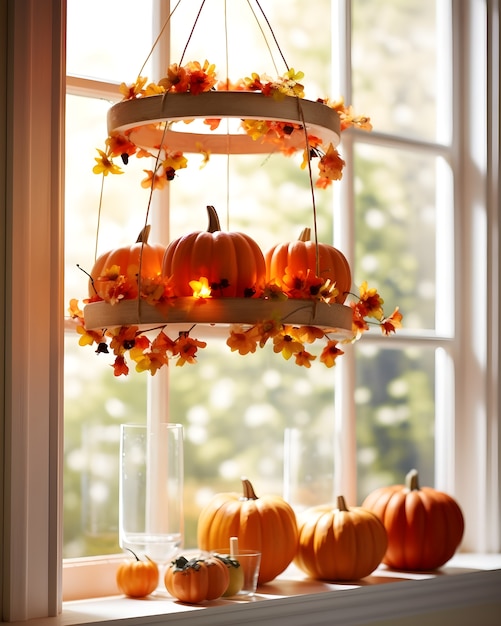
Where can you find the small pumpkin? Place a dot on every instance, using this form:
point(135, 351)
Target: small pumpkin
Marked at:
point(196, 580)
point(339, 543)
point(424, 526)
point(236, 572)
point(232, 262)
point(136, 578)
point(125, 261)
point(266, 524)
point(297, 257)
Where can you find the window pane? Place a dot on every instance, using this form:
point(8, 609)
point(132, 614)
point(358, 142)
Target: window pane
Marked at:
point(95, 401)
point(395, 415)
point(396, 229)
point(108, 40)
point(235, 410)
point(398, 76)
point(95, 405)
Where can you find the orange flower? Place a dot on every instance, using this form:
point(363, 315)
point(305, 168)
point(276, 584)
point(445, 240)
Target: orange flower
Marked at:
point(331, 165)
point(304, 358)
point(330, 353)
point(123, 339)
point(309, 334)
point(358, 323)
point(213, 122)
point(201, 78)
point(176, 79)
point(302, 285)
point(120, 366)
point(266, 330)
point(155, 180)
point(241, 340)
point(370, 303)
point(391, 323)
point(186, 348)
point(74, 310)
point(119, 144)
point(134, 90)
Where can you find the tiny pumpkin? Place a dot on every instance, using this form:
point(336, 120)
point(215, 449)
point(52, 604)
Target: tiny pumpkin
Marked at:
point(124, 262)
point(424, 526)
point(136, 578)
point(196, 580)
point(232, 262)
point(266, 524)
point(296, 258)
point(339, 543)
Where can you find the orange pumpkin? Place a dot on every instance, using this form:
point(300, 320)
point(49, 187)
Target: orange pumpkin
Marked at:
point(339, 543)
point(266, 524)
point(197, 580)
point(424, 526)
point(297, 257)
point(232, 262)
point(125, 261)
point(136, 578)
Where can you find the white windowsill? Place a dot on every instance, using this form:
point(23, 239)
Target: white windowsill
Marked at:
point(466, 581)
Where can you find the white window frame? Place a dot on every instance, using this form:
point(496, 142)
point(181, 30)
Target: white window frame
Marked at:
point(31, 209)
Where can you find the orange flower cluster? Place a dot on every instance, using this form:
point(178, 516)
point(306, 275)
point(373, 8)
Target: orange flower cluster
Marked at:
point(288, 340)
point(196, 78)
point(148, 355)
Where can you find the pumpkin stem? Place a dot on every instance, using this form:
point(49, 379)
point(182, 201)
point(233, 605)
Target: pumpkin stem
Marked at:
point(134, 554)
point(305, 235)
point(144, 234)
point(411, 480)
point(214, 224)
point(341, 504)
point(249, 493)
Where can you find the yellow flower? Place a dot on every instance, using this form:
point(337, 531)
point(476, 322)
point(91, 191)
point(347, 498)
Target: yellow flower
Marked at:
point(129, 92)
point(105, 165)
point(287, 343)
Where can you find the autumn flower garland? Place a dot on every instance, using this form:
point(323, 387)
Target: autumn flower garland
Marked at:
point(288, 340)
point(150, 353)
point(195, 78)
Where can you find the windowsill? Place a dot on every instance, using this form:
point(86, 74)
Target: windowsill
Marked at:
point(468, 585)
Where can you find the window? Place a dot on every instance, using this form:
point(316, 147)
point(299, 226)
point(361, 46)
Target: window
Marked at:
point(31, 415)
point(397, 193)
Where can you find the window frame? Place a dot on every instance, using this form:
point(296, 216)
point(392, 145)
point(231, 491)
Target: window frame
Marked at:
point(32, 113)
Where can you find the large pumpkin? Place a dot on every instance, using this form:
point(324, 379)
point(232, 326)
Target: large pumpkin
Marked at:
point(424, 526)
point(339, 543)
point(297, 257)
point(232, 262)
point(125, 262)
point(266, 524)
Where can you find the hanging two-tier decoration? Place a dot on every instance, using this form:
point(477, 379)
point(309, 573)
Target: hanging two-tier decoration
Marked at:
point(146, 301)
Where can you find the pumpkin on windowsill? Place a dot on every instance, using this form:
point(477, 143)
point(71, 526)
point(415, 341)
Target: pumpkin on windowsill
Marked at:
point(136, 578)
point(232, 262)
point(266, 524)
point(197, 580)
point(339, 543)
point(424, 526)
